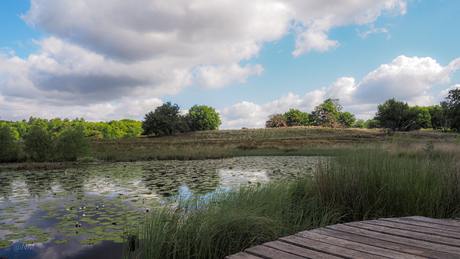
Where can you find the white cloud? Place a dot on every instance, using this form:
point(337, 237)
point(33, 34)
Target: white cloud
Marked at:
point(405, 79)
point(98, 53)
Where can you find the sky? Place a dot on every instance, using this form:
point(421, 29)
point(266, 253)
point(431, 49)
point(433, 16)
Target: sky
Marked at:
point(110, 60)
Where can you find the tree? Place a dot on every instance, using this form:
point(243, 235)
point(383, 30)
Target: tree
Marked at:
point(438, 116)
point(295, 117)
point(346, 119)
point(9, 151)
point(453, 108)
point(420, 116)
point(393, 115)
point(164, 121)
point(326, 114)
point(202, 118)
point(360, 124)
point(72, 143)
point(275, 121)
point(39, 143)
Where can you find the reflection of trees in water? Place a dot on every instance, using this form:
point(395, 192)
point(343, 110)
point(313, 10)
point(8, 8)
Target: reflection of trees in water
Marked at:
point(202, 181)
point(72, 183)
point(162, 182)
point(166, 182)
point(6, 181)
point(38, 183)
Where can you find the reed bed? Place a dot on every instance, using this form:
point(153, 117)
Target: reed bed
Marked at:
point(356, 184)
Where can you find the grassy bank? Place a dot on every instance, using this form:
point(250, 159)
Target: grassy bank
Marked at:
point(358, 184)
point(262, 142)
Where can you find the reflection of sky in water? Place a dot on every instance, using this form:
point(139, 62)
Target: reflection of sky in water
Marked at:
point(27, 192)
point(230, 177)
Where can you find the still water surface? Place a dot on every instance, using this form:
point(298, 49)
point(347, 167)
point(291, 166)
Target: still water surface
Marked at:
point(84, 212)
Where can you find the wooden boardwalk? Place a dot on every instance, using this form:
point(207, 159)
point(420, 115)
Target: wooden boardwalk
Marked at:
point(409, 237)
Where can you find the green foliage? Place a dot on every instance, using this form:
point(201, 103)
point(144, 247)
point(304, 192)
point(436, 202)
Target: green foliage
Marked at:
point(39, 143)
point(346, 119)
point(438, 116)
point(327, 112)
point(372, 124)
point(393, 115)
point(296, 118)
point(166, 120)
point(203, 118)
point(360, 124)
point(9, 151)
point(72, 144)
point(453, 107)
point(275, 121)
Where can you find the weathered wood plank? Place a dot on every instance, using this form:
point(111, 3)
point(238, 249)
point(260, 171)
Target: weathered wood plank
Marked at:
point(242, 255)
point(326, 248)
point(371, 249)
point(392, 238)
point(406, 233)
point(414, 228)
point(408, 237)
point(448, 222)
point(397, 245)
point(445, 228)
point(297, 250)
point(268, 253)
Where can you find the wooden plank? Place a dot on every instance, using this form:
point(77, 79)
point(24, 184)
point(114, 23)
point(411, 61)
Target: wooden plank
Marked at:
point(446, 222)
point(242, 255)
point(297, 250)
point(371, 249)
point(393, 244)
point(448, 228)
point(414, 228)
point(268, 253)
point(408, 240)
point(405, 233)
point(326, 248)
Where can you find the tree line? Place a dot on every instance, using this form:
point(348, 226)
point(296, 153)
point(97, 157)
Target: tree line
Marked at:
point(392, 115)
point(65, 140)
point(328, 114)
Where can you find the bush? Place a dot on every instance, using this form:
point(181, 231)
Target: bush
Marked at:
point(164, 121)
point(9, 151)
point(203, 118)
point(39, 143)
point(72, 144)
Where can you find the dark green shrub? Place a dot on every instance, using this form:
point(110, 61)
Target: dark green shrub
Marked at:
point(39, 143)
point(9, 151)
point(72, 144)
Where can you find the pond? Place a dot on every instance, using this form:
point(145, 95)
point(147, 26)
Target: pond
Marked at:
point(85, 212)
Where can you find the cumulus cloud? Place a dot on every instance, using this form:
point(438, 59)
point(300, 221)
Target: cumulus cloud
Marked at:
point(107, 54)
point(406, 79)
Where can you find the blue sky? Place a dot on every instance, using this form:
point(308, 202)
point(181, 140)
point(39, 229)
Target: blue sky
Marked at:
point(247, 59)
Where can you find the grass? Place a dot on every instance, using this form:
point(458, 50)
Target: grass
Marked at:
point(357, 184)
point(231, 143)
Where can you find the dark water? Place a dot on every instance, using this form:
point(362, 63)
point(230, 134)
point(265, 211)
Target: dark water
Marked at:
point(86, 212)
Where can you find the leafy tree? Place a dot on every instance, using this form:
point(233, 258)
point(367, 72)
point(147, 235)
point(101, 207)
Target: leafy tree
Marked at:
point(9, 151)
point(420, 116)
point(360, 124)
point(295, 117)
point(39, 143)
point(371, 124)
point(438, 116)
point(346, 119)
point(72, 143)
point(164, 121)
point(275, 121)
point(202, 118)
point(393, 115)
point(453, 107)
point(326, 114)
